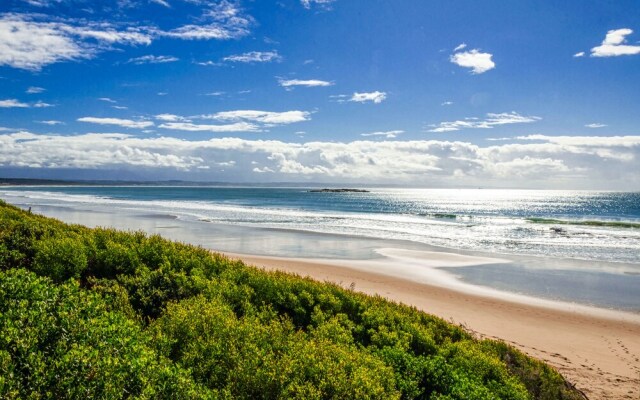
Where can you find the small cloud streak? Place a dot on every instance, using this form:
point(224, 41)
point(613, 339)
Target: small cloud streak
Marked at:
point(376, 97)
point(191, 127)
point(13, 103)
point(595, 125)
point(461, 46)
point(290, 83)
point(125, 123)
point(492, 119)
point(264, 117)
point(325, 4)
point(161, 2)
point(254, 57)
point(34, 90)
point(386, 134)
point(151, 59)
point(169, 117)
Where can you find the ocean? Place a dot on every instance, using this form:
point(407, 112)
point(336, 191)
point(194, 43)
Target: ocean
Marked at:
point(588, 240)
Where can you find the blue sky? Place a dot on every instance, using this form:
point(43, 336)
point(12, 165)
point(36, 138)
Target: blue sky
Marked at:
point(427, 93)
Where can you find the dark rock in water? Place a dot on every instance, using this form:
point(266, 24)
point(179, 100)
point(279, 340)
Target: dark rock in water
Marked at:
point(558, 230)
point(338, 191)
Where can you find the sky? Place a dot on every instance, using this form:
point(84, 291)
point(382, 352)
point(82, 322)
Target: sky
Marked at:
point(523, 94)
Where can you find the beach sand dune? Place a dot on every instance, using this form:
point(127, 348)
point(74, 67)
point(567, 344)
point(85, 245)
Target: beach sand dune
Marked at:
point(599, 353)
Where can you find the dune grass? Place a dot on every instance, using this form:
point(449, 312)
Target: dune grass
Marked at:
point(101, 313)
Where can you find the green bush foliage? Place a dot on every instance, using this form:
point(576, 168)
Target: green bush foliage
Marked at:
point(99, 313)
point(60, 341)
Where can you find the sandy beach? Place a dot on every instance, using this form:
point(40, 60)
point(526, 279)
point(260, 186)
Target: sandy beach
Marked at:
point(598, 352)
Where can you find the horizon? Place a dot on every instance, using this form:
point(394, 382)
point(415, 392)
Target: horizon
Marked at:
point(30, 182)
point(322, 92)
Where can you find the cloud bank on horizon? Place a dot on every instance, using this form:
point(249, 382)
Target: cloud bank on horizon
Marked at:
point(222, 90)
point(543, 161)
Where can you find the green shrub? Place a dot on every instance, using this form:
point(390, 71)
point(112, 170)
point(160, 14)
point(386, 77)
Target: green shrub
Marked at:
point(63, 342)
point(60, 258)
point(143, 317)
point(255, 360)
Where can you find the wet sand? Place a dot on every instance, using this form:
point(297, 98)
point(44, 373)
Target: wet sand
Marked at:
point(599, 351)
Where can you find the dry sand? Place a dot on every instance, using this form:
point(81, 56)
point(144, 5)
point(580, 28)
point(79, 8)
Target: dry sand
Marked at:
point(597, 351)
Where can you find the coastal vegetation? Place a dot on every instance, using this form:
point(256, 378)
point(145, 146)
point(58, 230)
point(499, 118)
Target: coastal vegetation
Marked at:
point(101, 313)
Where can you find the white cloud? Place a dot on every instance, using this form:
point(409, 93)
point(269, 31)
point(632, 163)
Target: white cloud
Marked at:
point(120, 107)
point(132, 36)
point(199, 32)
point(190, 127)
point(491, 120)
point(161, 2)
point(579, 54)
point(289, 83)
point(263, 170)
point(224, 20)
point(209, 63)
point(446, 103)
point(264, 117)
point(215, 94)
point(169, 117)
point(374, 97)
point(595, 125)
point(33, 41)
point(32, 45)
point(238, 120)
point(13, 103)
point(151, 59)
point(34, 90)
point(386, 134)
point(51, 122)
point(125, 123)
point(254, 57)
point(460, 47)
point(541, 161)
point(88, 151)
point(326, 4)
point(474, 59)
point(107, 99)
point(614, 45)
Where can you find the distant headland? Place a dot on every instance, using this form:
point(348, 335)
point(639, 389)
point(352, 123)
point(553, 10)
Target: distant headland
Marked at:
point(338, 191)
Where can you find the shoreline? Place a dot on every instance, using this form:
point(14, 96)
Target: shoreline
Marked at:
point(599, 354)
